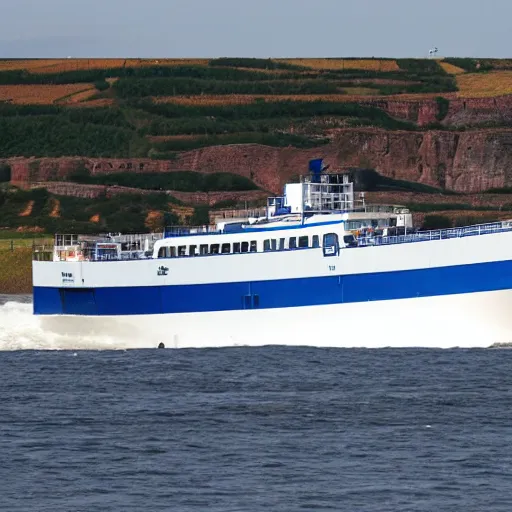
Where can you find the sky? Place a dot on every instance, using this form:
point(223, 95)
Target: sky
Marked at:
point(255, 28)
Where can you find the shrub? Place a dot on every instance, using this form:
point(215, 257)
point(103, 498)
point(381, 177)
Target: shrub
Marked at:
point(80, 175)
point(421, 66)
point(370, 180)
point(139, 88)
point(501, 190)
point(267, 139)
point(469, 220)
point(443, 105)
point(101, 85)
point(253, 63)
point(55, 137)
point(469, 64)
point(436, 222)
point(200, 217)
point(185, 181)
point(5, 173)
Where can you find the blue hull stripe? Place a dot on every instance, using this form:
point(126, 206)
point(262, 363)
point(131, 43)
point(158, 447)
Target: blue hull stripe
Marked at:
point(282, 293)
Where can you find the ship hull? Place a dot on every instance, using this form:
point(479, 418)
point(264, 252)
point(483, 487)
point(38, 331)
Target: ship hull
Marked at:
point(440, 293)
point(468, 320)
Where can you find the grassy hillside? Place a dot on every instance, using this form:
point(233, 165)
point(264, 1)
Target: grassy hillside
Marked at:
point(116, 107)
point(16, 270)
point(147, 108)
point(40, 211)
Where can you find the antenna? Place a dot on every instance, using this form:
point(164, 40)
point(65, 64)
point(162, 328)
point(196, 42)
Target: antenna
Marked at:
point(433, 51)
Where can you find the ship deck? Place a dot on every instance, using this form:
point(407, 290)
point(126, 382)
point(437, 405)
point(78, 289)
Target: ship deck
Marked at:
point(44, 253)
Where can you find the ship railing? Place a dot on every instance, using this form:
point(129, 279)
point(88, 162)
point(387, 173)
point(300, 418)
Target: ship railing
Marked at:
point(239, 214)
point(174, 231)
point(385, 208)
point(439, 234)
point(42, 252)
point(132, 246)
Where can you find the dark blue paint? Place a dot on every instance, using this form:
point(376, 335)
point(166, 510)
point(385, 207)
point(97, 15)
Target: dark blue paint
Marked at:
point(203, 297)
point(281, 293)
point(137, 300)
point(46, 301)
point(79, 301)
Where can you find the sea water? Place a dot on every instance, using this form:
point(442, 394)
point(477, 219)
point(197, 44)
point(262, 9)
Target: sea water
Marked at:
point(250, 429)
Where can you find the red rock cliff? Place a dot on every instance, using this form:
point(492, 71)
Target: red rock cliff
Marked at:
point(468, 161)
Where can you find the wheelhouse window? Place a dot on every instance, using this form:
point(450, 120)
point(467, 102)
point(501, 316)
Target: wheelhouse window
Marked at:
point(182, 250)
point(162, 252)
point(192, 250)
point(236, 247)
point(316, 241)
point(214, 249)
point(266, 245)
point(282, 244)
point(245, 246)
point(254, 246)
point(303, 242)
point(292, 243)
point(273, 244)
point(226, 248)
point(203, 249)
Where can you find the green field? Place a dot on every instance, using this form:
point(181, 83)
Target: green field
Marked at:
point(16, 270)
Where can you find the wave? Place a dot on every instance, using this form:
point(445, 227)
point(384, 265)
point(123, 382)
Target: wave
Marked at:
point(21, 330)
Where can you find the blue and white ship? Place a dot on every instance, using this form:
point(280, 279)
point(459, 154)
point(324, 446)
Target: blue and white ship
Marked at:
point(318, 267)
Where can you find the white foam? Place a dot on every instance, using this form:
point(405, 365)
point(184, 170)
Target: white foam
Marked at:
point(21, 330)
point(465, 321)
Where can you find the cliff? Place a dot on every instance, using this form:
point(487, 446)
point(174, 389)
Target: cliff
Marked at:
point(496, 110)
point(65, 188)
point(465, 161)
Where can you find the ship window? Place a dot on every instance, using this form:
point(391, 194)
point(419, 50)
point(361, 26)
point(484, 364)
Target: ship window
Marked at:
point(254, 246)
point(203, 249)
point(172, 252)
point(303, 241)
point(266, 245)
point(330, 239)
point(236, 247)
point(316, 241)
point(182, 249)
point(226, 248)
point(292, 244)
point(162, 252)
point(273, 244)
point(282, 244)
point(192, 250)
point(350, 240)
point(245, 246)
point(214, 249)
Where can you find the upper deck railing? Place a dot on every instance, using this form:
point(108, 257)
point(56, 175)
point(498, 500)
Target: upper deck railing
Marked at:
point(239, 214)
point(172, 231)
point(45, 253)
point(440, 234)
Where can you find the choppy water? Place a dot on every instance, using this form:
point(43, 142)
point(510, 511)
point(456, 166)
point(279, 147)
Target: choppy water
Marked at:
point(261, 429)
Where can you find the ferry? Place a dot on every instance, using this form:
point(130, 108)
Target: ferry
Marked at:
point(317, 267)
